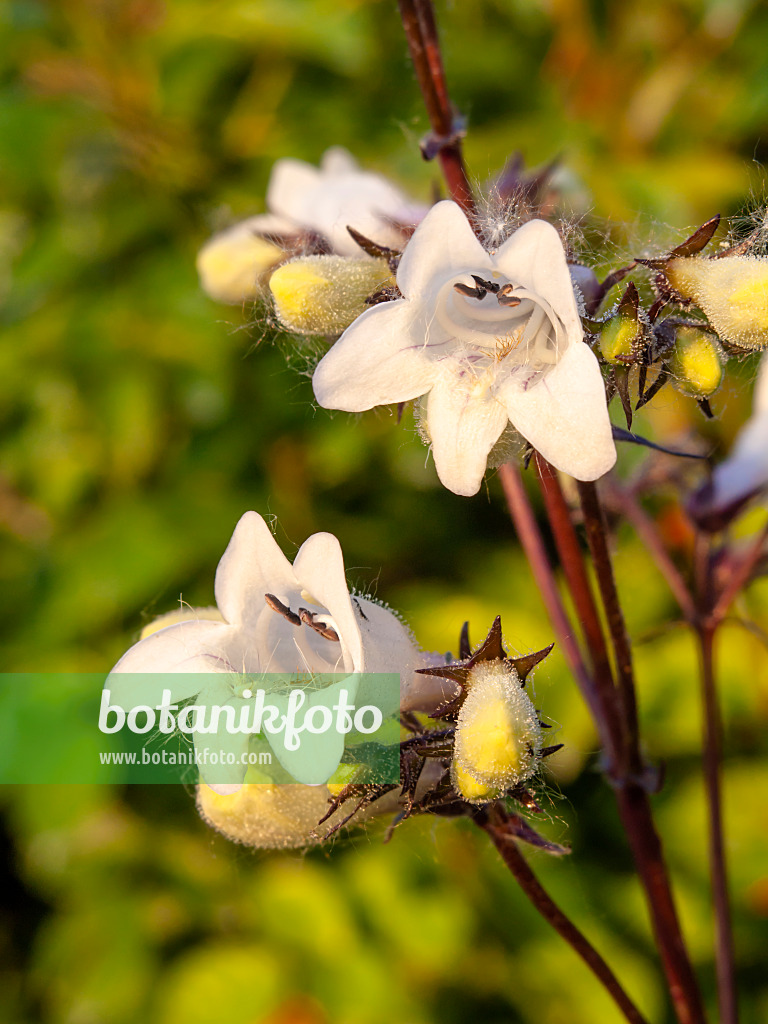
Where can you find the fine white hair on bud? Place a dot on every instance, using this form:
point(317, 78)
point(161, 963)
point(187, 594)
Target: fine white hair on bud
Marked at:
point(498, 738)
point(731, 291)
point(324, 294)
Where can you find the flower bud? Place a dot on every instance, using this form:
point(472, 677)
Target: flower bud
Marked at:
point(696, 362)
point(619, 339)
point(185, 614)
point(498, 734)
point(267, 816)
point(732, 291)
point(233, 263)
point(325, 294)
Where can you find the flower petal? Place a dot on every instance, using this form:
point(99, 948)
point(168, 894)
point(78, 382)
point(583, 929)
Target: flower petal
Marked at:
point(188, 647)
point(338, 160)
point(443, 244)
point(463, 427)
point(253, 565)
point(534, 258)
point(745, 471)
point(318, 754)
point(319, 567)
point(290, 182)
point(222, 776)
point(374, 362)
point(564, 415)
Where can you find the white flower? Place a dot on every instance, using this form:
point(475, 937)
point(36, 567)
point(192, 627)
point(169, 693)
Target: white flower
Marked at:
point(337, 194)
point(745, 472)
point(281, 618)
point(490, 338)
point(303, 200)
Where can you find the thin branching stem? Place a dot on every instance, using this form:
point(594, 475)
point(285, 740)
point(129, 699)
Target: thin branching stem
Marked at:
point(574, 569)
point(535, 550)
point(595, 526)
point(550, 911)
point(705, 628)
point(418, 19)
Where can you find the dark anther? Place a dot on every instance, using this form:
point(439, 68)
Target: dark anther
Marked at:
point(505, 296)
point(282, 609)
point(469, 291)
point(310, 619)
point(489, 286)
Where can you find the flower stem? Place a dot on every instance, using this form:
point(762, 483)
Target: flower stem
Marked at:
point(418, 19)
point(705, 627)
point(574, 569)
point(549, 910)
point(533, 544)
point(594, 523)
point(712, 752)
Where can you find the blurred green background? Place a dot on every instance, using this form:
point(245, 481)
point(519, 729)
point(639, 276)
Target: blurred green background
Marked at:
point(139, 420)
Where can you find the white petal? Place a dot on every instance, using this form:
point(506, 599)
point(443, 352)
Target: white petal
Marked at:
point(443, 244)
point(463, 428)
point(387, 643)
point(318, 754)
point(534, 258)
point(221, 777)
point(374, 362)
point(253, 565)
point(188, 647)
point(338, 160)
point(319, 567)
point(745, 471)
point(564, 415)
point(289, 184)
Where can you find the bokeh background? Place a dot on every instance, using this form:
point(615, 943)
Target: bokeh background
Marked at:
point(139, 419)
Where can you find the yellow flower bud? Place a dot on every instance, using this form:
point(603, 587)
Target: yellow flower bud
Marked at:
point(469, 788)
point(498, 735)
point(324, 294)
point(733, 292)
point(696, 362)
point(233, 264)
point(268, 816)
point(619, 339)
point(181, 615)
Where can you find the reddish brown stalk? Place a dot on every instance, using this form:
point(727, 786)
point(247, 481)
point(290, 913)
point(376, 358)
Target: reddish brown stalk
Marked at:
point(550, 911)
point(594, 523)
point(706, 627)
point(574, 569)
point(532, 542)
point(445, 140)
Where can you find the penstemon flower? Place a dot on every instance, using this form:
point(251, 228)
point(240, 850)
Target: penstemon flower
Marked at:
point(488, 339)
point(281, 618)
point(309, 208)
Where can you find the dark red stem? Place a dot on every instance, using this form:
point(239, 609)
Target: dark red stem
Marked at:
point(550, 911)
point(418, 19)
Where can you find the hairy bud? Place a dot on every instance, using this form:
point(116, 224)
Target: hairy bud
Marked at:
point(696, 362)
point(325, 294)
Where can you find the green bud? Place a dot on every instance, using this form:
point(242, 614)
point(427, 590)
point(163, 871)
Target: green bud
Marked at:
point(696, 362)
point(324, 294)
point(619, 339)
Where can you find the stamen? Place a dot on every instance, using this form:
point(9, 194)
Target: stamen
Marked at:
point(469, 291)
point(489, 286)
point(310, 619)
point(282, 609)
point(505, 296)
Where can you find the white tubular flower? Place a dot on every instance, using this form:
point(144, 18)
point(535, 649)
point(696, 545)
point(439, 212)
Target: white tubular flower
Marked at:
point(745, 472)
point(277, 618)
point(337, 194)
point(490, 339)
point(305, 201)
